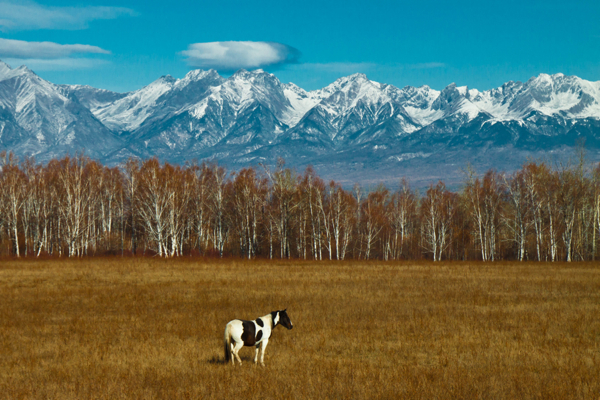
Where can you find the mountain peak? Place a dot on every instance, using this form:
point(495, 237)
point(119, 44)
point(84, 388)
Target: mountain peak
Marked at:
point(23, 68)
point(347, 83)
point(6, 72)
point(545, 79)
point(197, 74)
point(4, 69)
point(292, 85)
point(243, 73)
point(167, 78)
point(358, 75)
point(359, 78)
point(451, 98)
point(453, 92)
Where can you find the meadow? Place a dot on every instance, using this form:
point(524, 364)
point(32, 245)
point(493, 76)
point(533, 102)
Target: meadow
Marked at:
point(147, 328)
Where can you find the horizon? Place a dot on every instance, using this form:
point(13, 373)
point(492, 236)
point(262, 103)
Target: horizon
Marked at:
point(126, 46)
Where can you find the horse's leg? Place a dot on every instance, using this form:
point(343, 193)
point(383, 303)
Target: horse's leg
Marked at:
point(231, 349)
point(262, 353)
point(256, 354)
point(238, 346)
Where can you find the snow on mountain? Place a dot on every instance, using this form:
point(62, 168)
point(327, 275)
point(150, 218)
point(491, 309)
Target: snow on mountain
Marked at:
point(347, 109)
point(452, 101)
point(90, 97)
point(248, 109)
point(558, 94)
point(46, 120)
point(350, 91)
point(246, 88)
point(5, 70)
point(418, 103)
point(129, 112)
point(156, 100)
point(551, 95)
point(251, 116)
point(300, 102)
point(496, 102)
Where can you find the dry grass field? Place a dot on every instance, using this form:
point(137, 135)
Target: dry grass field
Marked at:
point(153, 329)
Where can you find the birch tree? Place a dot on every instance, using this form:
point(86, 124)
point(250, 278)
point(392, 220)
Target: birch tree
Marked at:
point(437, 211)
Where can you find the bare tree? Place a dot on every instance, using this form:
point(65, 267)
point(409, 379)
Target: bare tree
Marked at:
point(14, 193)
point(483, 203)
point(216, 204)
point(401, 214)
point(373, 218)
point(437, 211)
point(517, 217)
point(281, 205)
point(248, 197)
point(153, 203)
point(570, 199)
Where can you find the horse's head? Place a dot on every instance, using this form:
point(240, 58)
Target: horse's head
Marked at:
point(282, 318)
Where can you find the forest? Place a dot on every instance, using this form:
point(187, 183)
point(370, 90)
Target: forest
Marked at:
point(76, 207)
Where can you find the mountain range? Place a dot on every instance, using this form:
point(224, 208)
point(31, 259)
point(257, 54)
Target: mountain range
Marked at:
point(354, 130)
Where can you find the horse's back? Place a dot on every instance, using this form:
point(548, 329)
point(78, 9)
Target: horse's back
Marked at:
point(249, 333)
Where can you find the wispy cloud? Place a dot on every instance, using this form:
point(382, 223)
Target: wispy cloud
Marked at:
point(229, 56)
point(44, 50)
point(50, 56)
point(29, 15)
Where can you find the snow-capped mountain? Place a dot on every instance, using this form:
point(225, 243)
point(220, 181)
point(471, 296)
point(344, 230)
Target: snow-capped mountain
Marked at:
point(354, 124)
point(90, 97)
point(36, 117)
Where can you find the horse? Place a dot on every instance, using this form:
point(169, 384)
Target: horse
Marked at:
point(239, 333)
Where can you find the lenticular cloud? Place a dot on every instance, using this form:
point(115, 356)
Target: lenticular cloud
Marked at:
point(235, 55)
point(44, 50)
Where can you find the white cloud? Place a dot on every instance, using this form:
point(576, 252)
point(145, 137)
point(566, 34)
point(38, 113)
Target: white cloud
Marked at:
point(235, 55)
point(28, 15)
point(50, 56)
point(44, 50)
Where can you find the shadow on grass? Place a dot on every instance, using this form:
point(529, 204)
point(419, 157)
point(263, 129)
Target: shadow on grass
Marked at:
point(216, 360)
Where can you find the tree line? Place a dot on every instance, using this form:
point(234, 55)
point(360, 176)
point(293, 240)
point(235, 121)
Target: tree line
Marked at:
point(76, 206)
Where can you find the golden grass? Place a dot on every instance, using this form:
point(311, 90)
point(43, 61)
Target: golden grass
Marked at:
point(147, 328)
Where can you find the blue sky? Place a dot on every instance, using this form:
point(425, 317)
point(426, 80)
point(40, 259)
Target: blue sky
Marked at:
point(125, 45)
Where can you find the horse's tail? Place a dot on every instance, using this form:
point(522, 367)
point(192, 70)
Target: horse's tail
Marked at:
point(227, 341)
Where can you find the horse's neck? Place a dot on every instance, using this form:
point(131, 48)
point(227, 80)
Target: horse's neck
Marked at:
point(268, 317)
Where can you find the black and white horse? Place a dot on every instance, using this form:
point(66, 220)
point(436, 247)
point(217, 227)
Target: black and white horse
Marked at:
point(239, 333)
